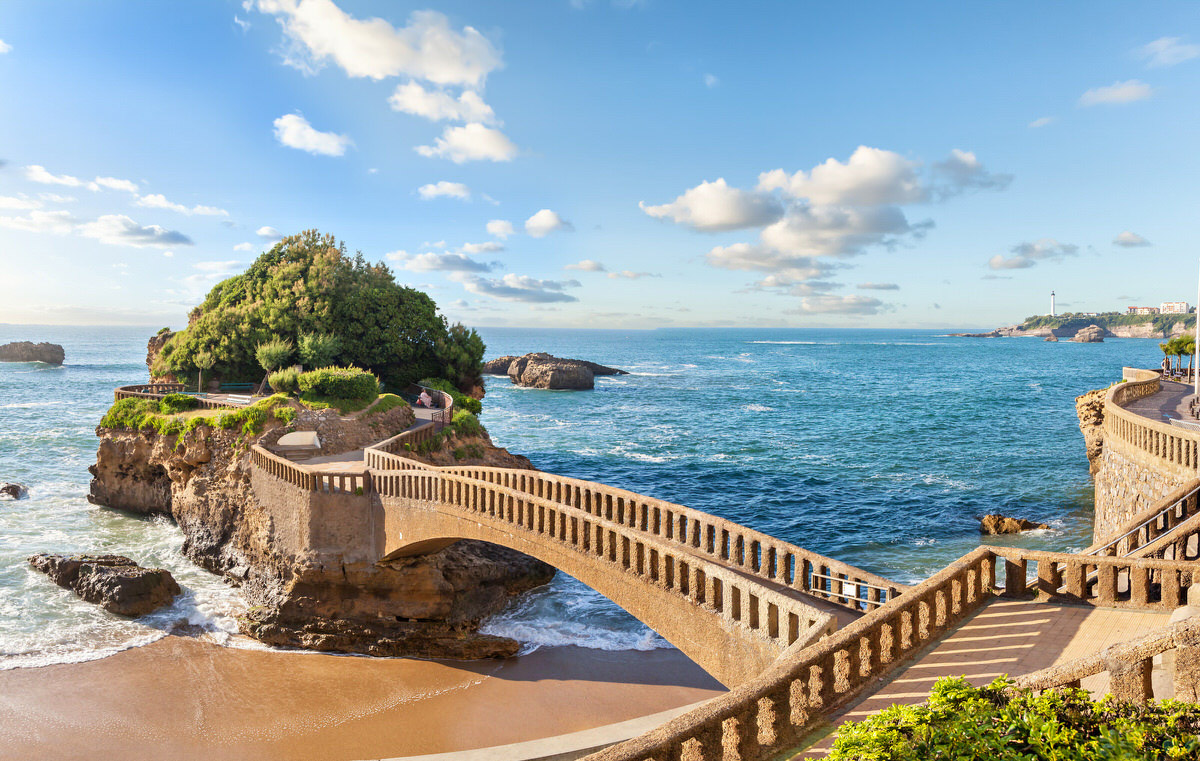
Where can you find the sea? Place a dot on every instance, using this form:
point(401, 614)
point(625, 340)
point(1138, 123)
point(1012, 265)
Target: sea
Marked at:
point(881, 448)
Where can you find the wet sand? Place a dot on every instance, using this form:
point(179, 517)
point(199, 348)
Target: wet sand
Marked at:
point(181, 698)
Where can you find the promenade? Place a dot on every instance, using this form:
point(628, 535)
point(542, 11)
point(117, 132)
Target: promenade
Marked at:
point(1169, 403)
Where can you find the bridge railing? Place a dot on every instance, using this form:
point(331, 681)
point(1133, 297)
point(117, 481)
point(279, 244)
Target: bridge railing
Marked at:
point(1173, 449)
point(309, 480)
point(1150, 525)
point(723, 541)
point(1111, 582)
point(763, 611)
point(766, 715)
point(159, 390)
point(1130, 665)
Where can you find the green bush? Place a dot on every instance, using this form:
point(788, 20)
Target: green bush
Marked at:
point(274, 354)
point(466, 424)
point(341, 383)
point(468, 452)
point(172, 403)
point(998, 723)
point(385, 403)
point(461, 400)
point(149, 415)
point(286, 381)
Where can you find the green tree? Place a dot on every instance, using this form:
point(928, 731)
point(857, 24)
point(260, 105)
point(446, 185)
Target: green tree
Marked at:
point(203, 360)
point(307, 283)
point(461, 353)
point(273, 354)
point(318, 349)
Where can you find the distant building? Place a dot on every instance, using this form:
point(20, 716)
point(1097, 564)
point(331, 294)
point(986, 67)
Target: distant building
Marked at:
point(1091, 314)
point(1174, 307)
point(1143, 310)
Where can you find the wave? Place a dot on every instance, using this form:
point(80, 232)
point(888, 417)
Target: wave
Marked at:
point(535, 634)
point(758, 408)
point(27, 405)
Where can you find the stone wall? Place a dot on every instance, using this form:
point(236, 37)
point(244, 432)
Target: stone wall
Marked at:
point(1127, 483)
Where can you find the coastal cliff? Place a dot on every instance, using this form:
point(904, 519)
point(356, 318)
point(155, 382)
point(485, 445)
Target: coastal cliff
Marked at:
point(1089, 408)
point(323, 598)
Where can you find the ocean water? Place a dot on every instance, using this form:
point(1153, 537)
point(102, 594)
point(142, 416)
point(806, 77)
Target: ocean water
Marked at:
point(880, 448)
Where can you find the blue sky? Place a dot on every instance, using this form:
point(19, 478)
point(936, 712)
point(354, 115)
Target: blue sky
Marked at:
point(607, 164)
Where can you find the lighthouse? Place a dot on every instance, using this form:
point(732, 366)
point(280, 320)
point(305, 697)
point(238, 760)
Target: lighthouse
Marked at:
point(1051, 303)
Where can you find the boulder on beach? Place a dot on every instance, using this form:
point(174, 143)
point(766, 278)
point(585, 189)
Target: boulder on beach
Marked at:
point(542, 370)
point(12, 491)
point(25, 351)
point(1092, 334)
point(1002, 524)
point(114, 582)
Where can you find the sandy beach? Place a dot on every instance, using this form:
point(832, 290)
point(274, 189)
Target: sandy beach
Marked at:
point(180, 698)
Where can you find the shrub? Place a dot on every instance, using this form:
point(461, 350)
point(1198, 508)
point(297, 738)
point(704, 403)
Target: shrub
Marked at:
point(273, 354)
point(286, 381)
point(999, 723)
point(466, 424)
point(285, 414)
point(468, 452)
point(172, 403)
point(341, 383)
point(461, 400)
point(318, 349)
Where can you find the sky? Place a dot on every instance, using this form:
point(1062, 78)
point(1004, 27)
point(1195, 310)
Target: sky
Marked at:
point(607, 163)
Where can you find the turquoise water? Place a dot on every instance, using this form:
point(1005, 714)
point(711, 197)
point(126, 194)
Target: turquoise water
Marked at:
point(880, 448)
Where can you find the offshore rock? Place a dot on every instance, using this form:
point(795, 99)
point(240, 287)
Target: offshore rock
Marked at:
point(1052, 339)
point(1092, 334)
point(25, 351)
point(300, 594)
point(113, 582)
point(1001, 524)
point(1089, 408)
point(542, 370)
point(12, 491)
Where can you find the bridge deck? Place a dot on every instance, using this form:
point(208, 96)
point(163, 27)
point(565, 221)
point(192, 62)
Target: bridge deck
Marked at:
point(1169, 403)
point(1011, 637)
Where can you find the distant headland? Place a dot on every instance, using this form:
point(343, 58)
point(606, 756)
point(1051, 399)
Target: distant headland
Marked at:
point(1114, 324)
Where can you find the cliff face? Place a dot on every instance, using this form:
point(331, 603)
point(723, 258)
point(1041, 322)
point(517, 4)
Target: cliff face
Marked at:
point(1090, 410)
point(324, 600)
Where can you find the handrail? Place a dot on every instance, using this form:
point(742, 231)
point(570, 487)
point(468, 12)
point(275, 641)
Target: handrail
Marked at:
point(443, 415)
point(1130, 664)
point(1178, 449)
point(1164, 512)
point(159, 390)
point(751, 551)
point(760, 611)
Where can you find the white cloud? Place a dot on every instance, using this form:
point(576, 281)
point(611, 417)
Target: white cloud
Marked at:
point(872, 176)
point(37, 173)
point(244, 247)
point(437, 262)
point(878, 287)
point(472, 142)
point(520, 288)
point(711, 81)
point(839, 231)
point(784, 269)
point(830, 304)
point(1028, 254)
point(1167, 51)
point(294, 131)
point(444, 189)
point(1118, 92)
point(5, 47)
point(114, 183)
point(487, 247)
point(159, 201)
point(19, 203)
point(962, 171)
point(1129, 239)
point(545, 222)
point(631, 275)
point(1042, 122)
point(714, 206)
point(241, 23)
point(586, 265)
point(120, 230)
point(56, 198)
point(436, 105)
point(50, 222)
point(501, 228)
point(427, 48)
point(266, 232)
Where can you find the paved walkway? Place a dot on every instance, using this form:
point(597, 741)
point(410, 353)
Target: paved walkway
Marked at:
point(1004, 637)
point(1171, 401)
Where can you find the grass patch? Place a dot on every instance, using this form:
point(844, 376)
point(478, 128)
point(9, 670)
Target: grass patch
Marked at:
point(385, 403)
point(344, 405)
point(164, 418)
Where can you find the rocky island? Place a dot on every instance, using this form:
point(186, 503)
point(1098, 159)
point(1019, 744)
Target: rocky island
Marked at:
point(27, 351)
point(162, 455)
point(542, 370)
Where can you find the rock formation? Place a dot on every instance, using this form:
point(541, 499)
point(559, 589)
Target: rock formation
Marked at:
point(1092, 334)
point(1052, 338)
point(429, 606)
point(154, 348)
point(1001, 524)
point(113, 582)
point(25, 351)
point(541, 370)
point(12, 491)
point(1089, 408)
